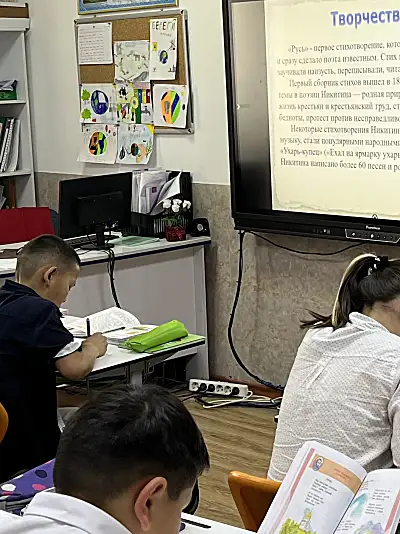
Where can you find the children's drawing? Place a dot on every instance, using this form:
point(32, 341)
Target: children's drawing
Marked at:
point(132, 61)
point(163, 43)
point(134, 104)
point(170, 105)
point(370, 528)
point(98, 103)
point(135, 143)
point(99, 144)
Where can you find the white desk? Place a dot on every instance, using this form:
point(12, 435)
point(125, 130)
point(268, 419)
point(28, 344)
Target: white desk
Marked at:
point(157, 282)
point(208, 526)
point(134, 363)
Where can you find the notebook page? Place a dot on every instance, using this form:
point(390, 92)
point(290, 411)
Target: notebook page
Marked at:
point(104, 321)
point(316, 493)
point(376, 507)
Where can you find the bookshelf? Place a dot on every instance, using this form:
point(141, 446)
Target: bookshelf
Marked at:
point(14, 23)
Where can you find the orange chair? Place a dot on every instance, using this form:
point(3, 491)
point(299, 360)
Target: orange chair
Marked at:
point(3, 422)
point(253, 496)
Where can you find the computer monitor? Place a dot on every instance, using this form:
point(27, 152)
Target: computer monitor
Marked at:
point(89, 205)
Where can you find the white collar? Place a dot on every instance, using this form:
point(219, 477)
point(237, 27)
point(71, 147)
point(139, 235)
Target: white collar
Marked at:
point(366, 322)
point(74, 512)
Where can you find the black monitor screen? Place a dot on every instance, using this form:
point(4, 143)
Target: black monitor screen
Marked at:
point(108, 186)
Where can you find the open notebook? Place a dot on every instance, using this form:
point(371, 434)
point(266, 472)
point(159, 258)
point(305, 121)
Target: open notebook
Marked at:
point(325, 492)
point(116, 324)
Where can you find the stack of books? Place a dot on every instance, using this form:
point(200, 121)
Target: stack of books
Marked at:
point(9, 143)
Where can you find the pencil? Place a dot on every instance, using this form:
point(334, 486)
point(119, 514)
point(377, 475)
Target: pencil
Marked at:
point(88, 327)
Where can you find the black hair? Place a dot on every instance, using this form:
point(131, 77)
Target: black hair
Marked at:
point(127, 435)
point(45, 250)
point(367, 280)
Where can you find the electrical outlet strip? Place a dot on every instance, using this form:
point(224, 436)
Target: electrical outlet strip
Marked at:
point(213, 387)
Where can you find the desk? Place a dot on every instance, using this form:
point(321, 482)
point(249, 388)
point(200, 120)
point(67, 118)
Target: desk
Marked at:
point(157, 282)
point(213, 527)
point(134, 363)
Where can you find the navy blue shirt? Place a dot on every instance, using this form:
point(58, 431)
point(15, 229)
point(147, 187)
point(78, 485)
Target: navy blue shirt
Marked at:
point(31, 336)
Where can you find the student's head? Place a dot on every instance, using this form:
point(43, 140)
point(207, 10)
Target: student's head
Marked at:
point(50, 266)
point(136, 453)
point(370, 285)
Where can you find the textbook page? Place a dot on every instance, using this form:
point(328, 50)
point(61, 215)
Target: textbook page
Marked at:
point(376, 507)
point(315, 494)
point(104, 321)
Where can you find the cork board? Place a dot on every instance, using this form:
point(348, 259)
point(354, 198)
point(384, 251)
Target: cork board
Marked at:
point(14, 12)
point(133, 29)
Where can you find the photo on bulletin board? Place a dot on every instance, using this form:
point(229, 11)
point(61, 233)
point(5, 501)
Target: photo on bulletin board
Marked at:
point(96, 6)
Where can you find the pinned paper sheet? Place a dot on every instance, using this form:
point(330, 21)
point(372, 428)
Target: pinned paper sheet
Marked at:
point(132, 61)
point(135, 143)
point(98, 103)
point(98, 144)
point(95, 44)
point(170, 104)
point(134, 104)
point(163, 48)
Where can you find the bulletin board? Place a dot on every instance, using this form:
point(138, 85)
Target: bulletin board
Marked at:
point(136, 26)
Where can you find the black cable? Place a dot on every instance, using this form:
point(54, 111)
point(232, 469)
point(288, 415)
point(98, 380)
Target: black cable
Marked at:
point(232, 321)
point(302, 252)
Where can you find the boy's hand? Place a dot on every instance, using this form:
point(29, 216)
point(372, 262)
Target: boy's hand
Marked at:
point(99, 342)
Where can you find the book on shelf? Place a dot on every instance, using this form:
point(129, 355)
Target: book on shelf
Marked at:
point(8, 198)
point(9, 143)
point(325, 492)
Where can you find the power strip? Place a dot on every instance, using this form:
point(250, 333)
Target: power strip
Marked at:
point(224, 389)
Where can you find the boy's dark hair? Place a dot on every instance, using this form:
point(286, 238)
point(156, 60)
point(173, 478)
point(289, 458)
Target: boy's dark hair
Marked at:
point(45, 250)
point(127, 435)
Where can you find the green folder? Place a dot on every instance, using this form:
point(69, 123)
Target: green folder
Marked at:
point(172, 331)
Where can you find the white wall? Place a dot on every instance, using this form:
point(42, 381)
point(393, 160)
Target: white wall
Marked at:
point(55, 97)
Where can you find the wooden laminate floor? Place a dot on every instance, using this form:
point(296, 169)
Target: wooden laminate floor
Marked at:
point(237, 439)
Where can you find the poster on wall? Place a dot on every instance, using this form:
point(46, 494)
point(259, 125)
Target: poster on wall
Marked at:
point(98, 103)
point(135, 143)
point(134, 104)
point(170, 105)
point(163, 51)
point(96, 6)
point(132, 61)
point(98, 144)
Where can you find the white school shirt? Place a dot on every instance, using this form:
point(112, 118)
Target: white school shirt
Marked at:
point(343, 391)
point(52, 513)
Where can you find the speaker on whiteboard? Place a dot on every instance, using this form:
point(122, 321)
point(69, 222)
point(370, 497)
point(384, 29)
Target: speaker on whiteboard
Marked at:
point(200, 227)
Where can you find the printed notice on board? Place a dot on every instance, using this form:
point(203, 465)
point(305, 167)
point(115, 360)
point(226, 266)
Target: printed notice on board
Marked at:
point(95, 44)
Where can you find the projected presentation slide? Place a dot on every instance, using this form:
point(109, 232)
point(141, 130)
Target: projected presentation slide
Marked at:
point(334, 99)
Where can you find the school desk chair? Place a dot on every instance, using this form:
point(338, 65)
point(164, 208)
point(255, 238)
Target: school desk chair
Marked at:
point(253, 496)
point(3, 422)
point(24, 224)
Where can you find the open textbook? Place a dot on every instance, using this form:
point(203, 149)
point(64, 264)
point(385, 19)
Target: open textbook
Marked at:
point(325, 492)
point(116, 324)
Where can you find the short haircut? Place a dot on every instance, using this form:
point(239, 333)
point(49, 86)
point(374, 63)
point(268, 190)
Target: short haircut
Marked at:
point(127, 435)
point(45, 250)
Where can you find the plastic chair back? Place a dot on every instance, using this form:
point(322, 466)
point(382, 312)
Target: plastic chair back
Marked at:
point(253, 496)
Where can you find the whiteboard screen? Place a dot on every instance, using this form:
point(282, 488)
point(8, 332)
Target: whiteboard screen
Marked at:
point(333, 72)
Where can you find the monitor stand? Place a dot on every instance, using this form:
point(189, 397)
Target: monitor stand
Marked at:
point(100, 243)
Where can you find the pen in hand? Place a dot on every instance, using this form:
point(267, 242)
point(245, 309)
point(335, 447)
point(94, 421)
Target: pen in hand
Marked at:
point(87, 327)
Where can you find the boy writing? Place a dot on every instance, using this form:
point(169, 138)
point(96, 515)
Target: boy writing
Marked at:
point(127, 463)
point(33, 343)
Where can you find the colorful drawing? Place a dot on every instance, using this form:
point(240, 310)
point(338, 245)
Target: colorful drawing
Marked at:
point(135, 143)
point(163, 55)
point(170, 105)
point(370, 528)
point(291, 527)
point(358, 505)
point(99, 144)
point(132, 61)
point(98, 103)
point(134, 104)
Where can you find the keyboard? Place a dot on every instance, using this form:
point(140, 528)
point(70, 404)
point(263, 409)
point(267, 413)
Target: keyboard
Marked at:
point(78, 242)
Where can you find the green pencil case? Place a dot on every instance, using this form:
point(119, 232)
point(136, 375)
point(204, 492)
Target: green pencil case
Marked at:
point(162, 334)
